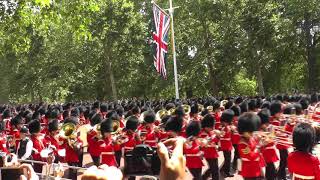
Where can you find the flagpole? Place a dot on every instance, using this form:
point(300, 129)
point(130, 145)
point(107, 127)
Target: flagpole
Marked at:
point(174, 52)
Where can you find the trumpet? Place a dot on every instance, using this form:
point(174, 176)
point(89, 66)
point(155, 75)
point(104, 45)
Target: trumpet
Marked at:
point(268, 137)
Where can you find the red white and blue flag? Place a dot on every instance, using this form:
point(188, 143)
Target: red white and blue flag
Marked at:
point(160, 39)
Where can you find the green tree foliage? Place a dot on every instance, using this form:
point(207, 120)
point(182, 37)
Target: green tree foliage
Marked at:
point(68, 50)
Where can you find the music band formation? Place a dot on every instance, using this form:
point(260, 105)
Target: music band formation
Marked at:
point(254, 134)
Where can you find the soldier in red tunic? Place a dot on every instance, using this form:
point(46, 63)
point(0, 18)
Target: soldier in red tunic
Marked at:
point(225, 140)
point(74, 149)
point(15, 124)
point(268, 150)
point(52, 140)
point(192, 150)
point(38, 145)
point(235, 136)
point(3, 140)
point(6, 118)
point(276, 111)
point(173, 127)
point(113, 115)
point(151, 133)
point(210, 148)
point(131, 137)
point(217, 113)
point(92, 138)
point(107, 147)
point(301, 163)
point(194, 113)
point(251, 159)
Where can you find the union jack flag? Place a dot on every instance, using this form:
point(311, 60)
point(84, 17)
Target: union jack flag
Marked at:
point(160, 39)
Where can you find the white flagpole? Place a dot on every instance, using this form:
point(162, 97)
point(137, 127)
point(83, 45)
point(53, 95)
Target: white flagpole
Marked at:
point(174, 51)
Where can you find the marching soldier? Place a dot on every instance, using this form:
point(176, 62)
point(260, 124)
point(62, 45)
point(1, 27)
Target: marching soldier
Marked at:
point(268, 149)
point(251, 160)
point(301, 163)
point(3, 138)
point(73, 146)
point(225, 140)
point(38, 145)
point(210, 148)
point(92, 138)
point(52, 139)
point(192, 150)
point(107, 147)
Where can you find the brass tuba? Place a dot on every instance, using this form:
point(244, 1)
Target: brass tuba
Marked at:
point(200, 107)
point(186, 108)
point(69, 131)
point(161, 113)
point(115, 127)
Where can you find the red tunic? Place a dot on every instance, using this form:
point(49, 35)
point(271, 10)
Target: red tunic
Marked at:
point(50, 140)
point(163, 136)
point(72, 155)
point(303, 166)
point(217, 117)
point(38, 146)
point(274, 121)
point(269, 153)
point(7, 124)
point(210, 151)
point(251, 165)
point(15, 133)
point(3, 144)
point(225, 141)
point(131, 142)
point(93, 144)
point(193, 155)
point(107, 153)
point(152, 139)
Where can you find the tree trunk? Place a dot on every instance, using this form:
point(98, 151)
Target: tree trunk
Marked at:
point(260, 81)
point(212, 79)
point(311, 55)
point(108, 66)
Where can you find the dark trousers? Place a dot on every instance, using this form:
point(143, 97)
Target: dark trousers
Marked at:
point(37, 167)
point(196, 173)
point(236, 157)
point(271, 172)
point(213, 170)
point(283, 164)
point(118, 155)
point(256, 178)
point(227, 162)
point(96, 160)
point(73, 172)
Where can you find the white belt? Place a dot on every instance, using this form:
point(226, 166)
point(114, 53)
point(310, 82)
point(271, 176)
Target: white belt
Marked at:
point(150, 141)
point(225, 139)
point(107, 153)
point(245, 159)
point(302, 176)
point(193, 155)
point(128, 148)
point(271, 147)
point(211, 146)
